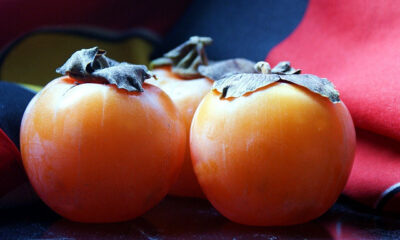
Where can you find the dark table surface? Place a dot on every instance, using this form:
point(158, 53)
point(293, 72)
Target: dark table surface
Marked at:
point(185, 218)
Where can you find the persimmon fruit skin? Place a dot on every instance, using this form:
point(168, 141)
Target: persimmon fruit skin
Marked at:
point(186, 94)
point(95, 153)
point(278, 156)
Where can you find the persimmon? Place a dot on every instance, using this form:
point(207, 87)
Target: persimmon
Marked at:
point(99, 145)
point(273, 148)
point(185, 74)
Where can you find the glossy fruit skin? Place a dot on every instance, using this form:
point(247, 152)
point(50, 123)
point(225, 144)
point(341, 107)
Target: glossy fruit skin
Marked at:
point(95, 153)
point(186, 94)
point(278, 156)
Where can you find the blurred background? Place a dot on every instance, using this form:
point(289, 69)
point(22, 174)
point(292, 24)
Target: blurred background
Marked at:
point(38, 36)
point(353, 43)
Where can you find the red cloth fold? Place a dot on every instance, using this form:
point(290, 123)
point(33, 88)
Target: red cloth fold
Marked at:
point(356, 45)
point(12, 174)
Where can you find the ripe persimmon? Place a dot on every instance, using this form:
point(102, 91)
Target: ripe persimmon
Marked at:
point(99, 145)
point(274, 148)
point(186, 76)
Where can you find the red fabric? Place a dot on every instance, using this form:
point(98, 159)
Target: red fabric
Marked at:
point(356, 45)
point(11, 171)
point(26, 15)
point(376, 168)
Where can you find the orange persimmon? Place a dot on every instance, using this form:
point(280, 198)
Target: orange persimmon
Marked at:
point(186, 95)
point(101, 152)
point(185, 75)
point(270, 151)
point(186, 87)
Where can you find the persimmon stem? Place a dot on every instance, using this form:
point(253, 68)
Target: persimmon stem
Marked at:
point(186, 58)
point(237, 85)
point(92, 66)
point(263, 67)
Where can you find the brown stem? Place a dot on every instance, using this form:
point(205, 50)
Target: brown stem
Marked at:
point(263, 67)
point(186, 58)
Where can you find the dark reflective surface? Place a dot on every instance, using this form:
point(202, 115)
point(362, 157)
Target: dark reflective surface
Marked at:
point(181, 218)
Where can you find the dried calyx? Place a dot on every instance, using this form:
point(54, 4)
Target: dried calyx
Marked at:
point(186, 58)
point(89, 64)
point(239, 84)
point(222, 69)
